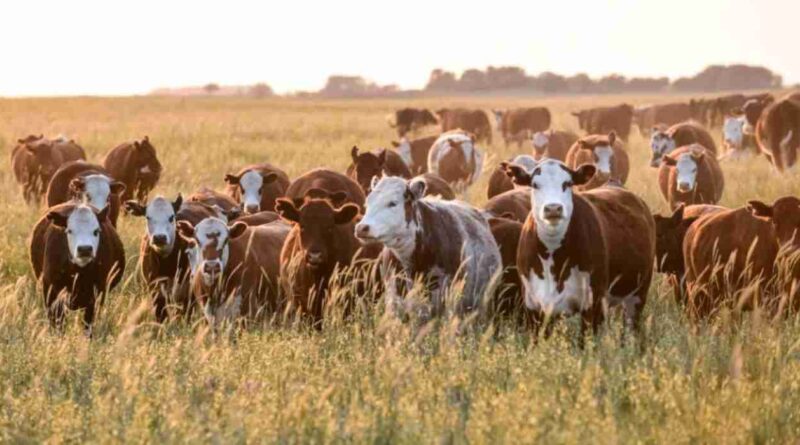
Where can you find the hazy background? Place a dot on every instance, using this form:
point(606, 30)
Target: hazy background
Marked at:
point(102, 47)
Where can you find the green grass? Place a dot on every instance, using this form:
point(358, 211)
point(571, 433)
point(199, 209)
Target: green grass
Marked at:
point(373, 380)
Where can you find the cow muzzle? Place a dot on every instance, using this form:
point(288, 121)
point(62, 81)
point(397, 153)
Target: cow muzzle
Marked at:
point(553, 213)
point(315, 258)
point(252, 209)
point(684, 187)
point(84, 252)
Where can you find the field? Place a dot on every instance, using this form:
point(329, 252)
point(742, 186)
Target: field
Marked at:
point(374, 380)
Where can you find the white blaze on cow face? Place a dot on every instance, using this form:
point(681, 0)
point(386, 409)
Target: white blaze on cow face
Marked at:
point(404, 150)
point(525, 161)
point(603, 155)
point(540, 140)
point(551, 202)
point(211, 249)
point(96, 191)
point(686, 172)
point(661, 144)
point(733, 132)
point(161, 227)
point(385, 215)
point(83, 235)
point(251, 183)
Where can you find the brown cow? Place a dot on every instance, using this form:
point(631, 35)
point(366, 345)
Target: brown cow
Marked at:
point(256, 187)
point(664, 114)
point(455, 157)
point(77, 255)
point(508, 301)
point(752, 110)
point(329, 181)
point(581, 251)
point(690, 175)
point(136, 165)
point(473, 121)
point(410, 119)
point(723, 106)
point(553, 144)
point(366, 166)
point(778, 132)
point(35, 159)
point(606, 119)
point(436, 186)
point(516, 124)
point(415, 153)
point(499, 181)
point(87, 182)
point(223, 202)
point(606, 153)
point(514, 204)
point(664, 141)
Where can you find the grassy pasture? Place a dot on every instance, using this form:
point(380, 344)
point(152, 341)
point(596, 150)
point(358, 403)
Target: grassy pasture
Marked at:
point(374, 380)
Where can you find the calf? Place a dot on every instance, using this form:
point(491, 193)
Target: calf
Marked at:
point(89, 183)
point(499, 182)
point(456, 159)
point(35, 159)
point(77, 255)
point(579, 251)
point(606, 153)
point(368, 165)
point(410, 119)
point(329, 181)
point(665, 141)
point(778, 132)
point(690, 175)
point(514, 204)
point(606, 119)
point(473, 121)
point(445, 241)
point(256, 187)
point(415, 153)
point(136, 165)
point(516, 124)
point(552, 144)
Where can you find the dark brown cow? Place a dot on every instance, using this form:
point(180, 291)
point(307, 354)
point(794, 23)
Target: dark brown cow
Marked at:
point(256, 187)
point(77, 255)
point(473, 121)
point(606, 152)
point(514, 204)
point(366, 166)
point(415, 153)
point(436, 186)
point(553, 144)
point(690, 175)
point(508, 302)
point(213, 198)
point(752, 110)
point(35, 160)
point(455, 157)
point(89, 182)
point(581, 251)
point(516, 124)
point(136, 165)
point(499, 181)
point(329, 181)
point(778, 132)
point(410, 119)
point(664, 114)
point(603, 120)
point(664, 141)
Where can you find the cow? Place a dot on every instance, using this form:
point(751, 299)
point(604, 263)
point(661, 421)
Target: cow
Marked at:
point(499, 182)
point(329, 181)
point(436, 186)
point(513, 204)
point(321, 241)
point(163, 260)
point(606, 119)
point(738, 144)
point(236, 269)
point(455, 157)
point(368, 165)
point(256, 187)
point(35, 159)
point(136, 165)
point(690, 175)
point(699, 110)
point(664, 141)
point(516, 124)
point(77, 255)
point(255, 219)
point(410, 119)
point(508, 300)
point(778, 132)
point(415, 153)
point(724, 106)
point(579, 251)
point(552, 144)
point(665, 114)
point(223, 202)
point(606, 153)
point(473, 121)
point(752, 110)
point(87, 182)
point(444, 242)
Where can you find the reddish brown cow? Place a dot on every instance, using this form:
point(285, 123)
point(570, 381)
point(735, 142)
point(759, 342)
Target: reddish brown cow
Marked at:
point(213, 198)
point(514, 204)
point(329, 181)
point(415, 153)
point(87, 182)
point(553, 144)
point(256, 187)
point(648, 118)
point(603, 120)
point(455, 157)
point(499, 181)
point(516, 124)
point(606, 153)
point(35, 159)
point(664, 141)
point(366, 166)
point(473, 121)
point(508, 301)
point(410, 119)
point(723, 106)
point(752, 110)
point(77, 255)
point(436, 186)
point(778, 132)
point(690, 175)
point(136, 165)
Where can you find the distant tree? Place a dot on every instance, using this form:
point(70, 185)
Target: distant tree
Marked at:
point(548, 82)
point(506, 77)
point(473, 80)
point(580, 84)
point(441, 80)
point(645, 84)
point(613, 83)
point(211, 88)
point(260, 90)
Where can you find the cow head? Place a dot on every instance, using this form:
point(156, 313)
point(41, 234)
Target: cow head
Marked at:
point(784, 214)
point(251, 186)
point(81, 224)
point(686, 166)
point(404, 150)
point(367, 166)
point(752, 110)
point(317, 220)
point(95, 189)
point(161, 221)
point(426, 117)
point(662, 144)
point(602, 151)
point(583, 118)
point(209, 244)
point(551, 196)
point(46, 159)
point(733, 132)
point(147, 162)
point(670, 231)
point(540, 141)
point(389, 216)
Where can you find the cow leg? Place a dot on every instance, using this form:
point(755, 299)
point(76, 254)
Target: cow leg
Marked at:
point(88, 320)
point(54, 305)
point(160, 302)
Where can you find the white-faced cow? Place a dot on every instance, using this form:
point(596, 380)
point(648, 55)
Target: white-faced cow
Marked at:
point(690, 175)
point(89, 183)
point(256, 187)
point(415, 153)
point(664, 141)
point(455, 157)
point(606, 153)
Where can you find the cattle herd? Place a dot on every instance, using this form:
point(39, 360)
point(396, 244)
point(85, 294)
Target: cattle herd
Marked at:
point(560, 234)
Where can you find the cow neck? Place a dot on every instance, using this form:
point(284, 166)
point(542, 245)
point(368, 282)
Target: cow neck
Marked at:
point(552, 240)
point(406, 248)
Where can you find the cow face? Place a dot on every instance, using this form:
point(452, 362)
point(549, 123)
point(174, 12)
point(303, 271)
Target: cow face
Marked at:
point(161, 223)
point(317, 221)
point(540, 141)
point(147, 162)
point(209, 242)
point(367, 166)
point(603, 153)
point(251, 186)
point(733, 132)
point(95, 190)
point(82, 227)
point(551, 197)
point(784, 214)
point(661, 144)
point(403, 148)
point(389, 216)
point(686, 168)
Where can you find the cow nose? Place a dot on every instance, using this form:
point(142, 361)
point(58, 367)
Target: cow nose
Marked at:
point(84, 251)
point(212, 267)
point(251, 208)
point(684, 186)
point(362, 230)
point(314, 257)
point(160, 240)
point(553, 211)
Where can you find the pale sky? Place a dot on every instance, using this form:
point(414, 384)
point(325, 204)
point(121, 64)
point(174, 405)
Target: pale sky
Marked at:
point(112, 47)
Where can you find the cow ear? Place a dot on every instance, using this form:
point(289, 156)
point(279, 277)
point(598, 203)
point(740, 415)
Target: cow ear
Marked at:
point(382, 157)
point(77, 186)
point(345, 214)
point(375, 180)
point(415, 190)
point(233, 213)
point(697, 152)
point(669, 160)
point(231, 179)
point(759, 209)
point(338, 198)
point(395, 144)
point(583, 174)
point(117, 188)
point(269, 178)
point(286, 208)
point(236, 230)
point(58, 218)
point(135, 208)
point(186, 231)
point(517, 173)
point(176, 205)
point(354, 154)
point(677, 215)
point(612, 137)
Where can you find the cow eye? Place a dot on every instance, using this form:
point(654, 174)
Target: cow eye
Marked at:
point(567, 185)
point(535, 186)
point(172, 219)
point(96, 232)
point(392, 204)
